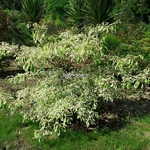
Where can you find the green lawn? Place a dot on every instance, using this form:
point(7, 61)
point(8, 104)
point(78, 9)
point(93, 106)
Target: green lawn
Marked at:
point(16, 135)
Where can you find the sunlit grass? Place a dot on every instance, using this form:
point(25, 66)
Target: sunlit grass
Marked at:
point(15, 134)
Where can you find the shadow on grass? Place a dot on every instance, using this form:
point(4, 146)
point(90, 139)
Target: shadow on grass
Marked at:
point(115, 115)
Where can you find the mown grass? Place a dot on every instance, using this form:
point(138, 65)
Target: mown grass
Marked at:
point(15, 135)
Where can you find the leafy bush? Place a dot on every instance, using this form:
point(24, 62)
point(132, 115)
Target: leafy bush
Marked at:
point(14, 29)
point(128, 33)
point(60, 99)
point(79, 77)
point(147, 31)
point(20, 34)
point(66, 49)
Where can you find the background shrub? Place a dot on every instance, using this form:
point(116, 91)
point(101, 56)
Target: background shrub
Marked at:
point(11, 4)
point(132, 11)
point(4, 26)
point(111, 42)
point(14, 29)
point(55, 9)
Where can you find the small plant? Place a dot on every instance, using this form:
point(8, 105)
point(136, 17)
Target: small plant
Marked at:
point(89, 12)
point(111, 42)
point(98, 11)
point(76, 11)
point(33, 10)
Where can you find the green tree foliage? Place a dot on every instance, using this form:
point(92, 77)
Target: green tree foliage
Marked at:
point(132, 11)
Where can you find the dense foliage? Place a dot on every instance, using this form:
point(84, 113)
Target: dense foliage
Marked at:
point(133, 11)
point(55, 9)
point(80, 73)
point(73, 73)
